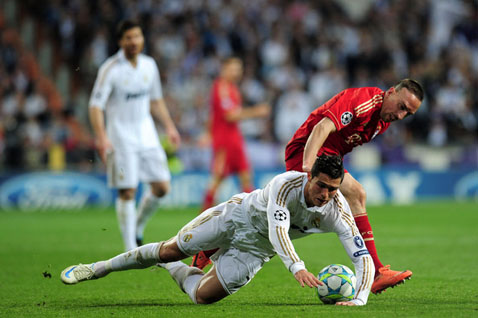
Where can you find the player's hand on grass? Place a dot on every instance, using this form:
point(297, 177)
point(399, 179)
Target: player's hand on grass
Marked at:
point(306, 278)
point(345, 303)
point(104, 146)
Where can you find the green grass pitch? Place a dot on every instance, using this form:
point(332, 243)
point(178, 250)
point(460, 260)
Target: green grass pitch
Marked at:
point(437, 241)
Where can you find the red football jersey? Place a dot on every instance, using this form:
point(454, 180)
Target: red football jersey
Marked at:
point(225, 96)
point(356, 115)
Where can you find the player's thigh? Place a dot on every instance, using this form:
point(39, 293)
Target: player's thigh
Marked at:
point(122, 169)
point(153, 166)
point(350, 187)
point(236, 268)
point(211, 229)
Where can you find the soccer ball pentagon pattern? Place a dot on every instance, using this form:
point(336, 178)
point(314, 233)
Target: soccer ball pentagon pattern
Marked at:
point(339, 284)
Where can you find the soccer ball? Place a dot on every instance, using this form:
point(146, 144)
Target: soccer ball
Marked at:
point(339, 284)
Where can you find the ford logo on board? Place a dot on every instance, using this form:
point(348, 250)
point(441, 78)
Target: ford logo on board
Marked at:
point(51, 191)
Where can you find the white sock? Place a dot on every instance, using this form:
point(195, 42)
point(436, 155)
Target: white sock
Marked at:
point(126, 213)
point(186, 277)
point(191, 285)
point(140, 257)
point(149, 204)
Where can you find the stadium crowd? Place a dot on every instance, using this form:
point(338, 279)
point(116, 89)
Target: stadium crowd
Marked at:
point(297, 54)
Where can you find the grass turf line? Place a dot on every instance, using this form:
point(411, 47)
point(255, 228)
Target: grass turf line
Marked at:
point(437, 241)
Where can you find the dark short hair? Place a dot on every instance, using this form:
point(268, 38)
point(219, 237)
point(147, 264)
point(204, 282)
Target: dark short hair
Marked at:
point(413, 86)
point(331, 165)
point(125, 26)
point(230, 59)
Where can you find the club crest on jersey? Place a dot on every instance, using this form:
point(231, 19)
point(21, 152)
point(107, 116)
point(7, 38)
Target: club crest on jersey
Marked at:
point(346, 118)
point(358, 241)
point(280, 215)
point(187, 237)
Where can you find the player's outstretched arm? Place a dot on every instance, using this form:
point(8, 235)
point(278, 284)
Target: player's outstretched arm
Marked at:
point(316, 139)
point(306, 278)
point(160, 112)
point(103, 144)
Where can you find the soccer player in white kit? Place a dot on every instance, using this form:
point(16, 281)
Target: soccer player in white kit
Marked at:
point(128, 90)
point(249, 229)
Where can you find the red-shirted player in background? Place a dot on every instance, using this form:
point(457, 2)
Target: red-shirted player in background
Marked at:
point(229, 155)
point(351, 118)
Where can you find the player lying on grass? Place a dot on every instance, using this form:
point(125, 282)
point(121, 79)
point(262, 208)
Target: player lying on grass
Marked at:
point(250, 228)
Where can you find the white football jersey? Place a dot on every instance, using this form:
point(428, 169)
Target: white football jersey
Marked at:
point(279, 212)
point(124, 92)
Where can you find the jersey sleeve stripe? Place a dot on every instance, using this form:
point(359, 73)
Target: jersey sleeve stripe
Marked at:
point(285, 244)
point(289, 189)
point(278, 233)
point(108, 67)
point(288, 244)
point(364, 110)
point(284, 188)
point(368, 105)
point(346, 216)
point(366, 281)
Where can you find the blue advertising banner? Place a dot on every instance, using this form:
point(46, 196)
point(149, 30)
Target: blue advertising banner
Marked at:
point(69, 190)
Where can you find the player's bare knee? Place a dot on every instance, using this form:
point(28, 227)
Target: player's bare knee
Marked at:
point(160, 189)
point(126, 194)
point(170, 252)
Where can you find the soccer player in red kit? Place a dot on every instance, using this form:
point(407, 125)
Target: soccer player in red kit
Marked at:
point(351, 118)
point(229, 155)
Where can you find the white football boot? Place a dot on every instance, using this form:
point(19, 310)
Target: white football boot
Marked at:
point(78, 273)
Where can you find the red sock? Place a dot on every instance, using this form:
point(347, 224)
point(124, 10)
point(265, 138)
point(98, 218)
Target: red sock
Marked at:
point(208, 199)
point(367, 234)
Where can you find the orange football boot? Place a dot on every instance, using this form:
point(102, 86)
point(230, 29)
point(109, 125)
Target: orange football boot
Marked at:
point(200, 260)
point(389, 278)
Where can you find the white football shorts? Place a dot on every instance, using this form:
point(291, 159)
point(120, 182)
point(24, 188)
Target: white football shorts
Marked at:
point(125, 169)
point(242, 250)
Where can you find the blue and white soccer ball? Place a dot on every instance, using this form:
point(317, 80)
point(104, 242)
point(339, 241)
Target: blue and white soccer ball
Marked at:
point(339, 284)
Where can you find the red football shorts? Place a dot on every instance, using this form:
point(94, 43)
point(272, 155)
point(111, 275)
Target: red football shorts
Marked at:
point(230, 159)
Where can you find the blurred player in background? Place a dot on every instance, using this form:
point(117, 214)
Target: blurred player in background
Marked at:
point(351, 118)
point(128, 90)
point(229, 154)
point(250, 228)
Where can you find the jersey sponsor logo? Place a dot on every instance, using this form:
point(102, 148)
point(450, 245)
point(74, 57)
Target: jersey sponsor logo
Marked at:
point(136, 95)
point(346, 118)
point(354, 139)
point(358, 241)
point(360, 253)
point(280, 215)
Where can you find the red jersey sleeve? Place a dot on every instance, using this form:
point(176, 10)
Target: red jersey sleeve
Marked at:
point(351, 106)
